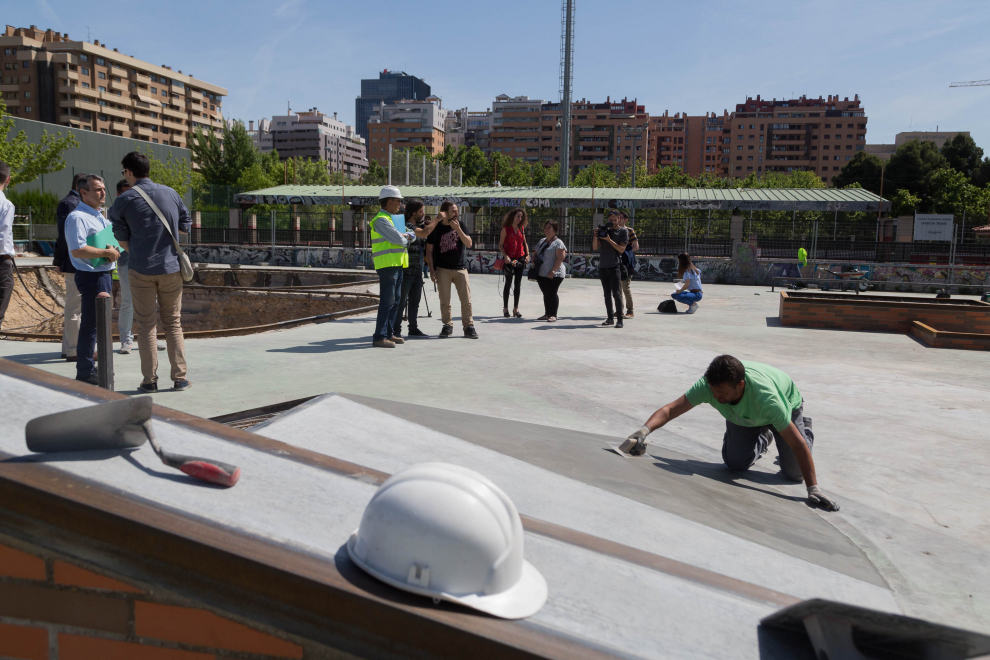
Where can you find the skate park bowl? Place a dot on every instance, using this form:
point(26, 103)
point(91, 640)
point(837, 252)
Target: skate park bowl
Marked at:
point(220, 301)
point(939, 323)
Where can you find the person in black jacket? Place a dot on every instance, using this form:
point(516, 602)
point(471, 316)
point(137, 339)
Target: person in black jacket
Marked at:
point(73, 300)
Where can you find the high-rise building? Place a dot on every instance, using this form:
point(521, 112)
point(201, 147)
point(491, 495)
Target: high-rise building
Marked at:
point(613, 133)
point(315, 135)
point(691, 142)
point(817, 135)
point(389, 87)
point(47, 77)
point(405, 124)
point(455, 127)
point(479, 129)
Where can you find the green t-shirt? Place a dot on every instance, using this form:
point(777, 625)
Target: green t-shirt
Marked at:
point(768, 400)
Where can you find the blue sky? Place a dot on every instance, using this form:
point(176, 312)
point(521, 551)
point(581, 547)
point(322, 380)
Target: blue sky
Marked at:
point(899, 56)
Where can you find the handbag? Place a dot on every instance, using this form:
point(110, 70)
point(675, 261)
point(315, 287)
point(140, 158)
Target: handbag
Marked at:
point(499, 264)
point(534, 270)
point(185, 266)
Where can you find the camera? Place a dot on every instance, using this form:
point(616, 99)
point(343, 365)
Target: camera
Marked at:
point(603, 229)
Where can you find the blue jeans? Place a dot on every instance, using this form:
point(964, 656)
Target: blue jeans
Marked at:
point(89, 285)
point(687, 297)
point(390, 290)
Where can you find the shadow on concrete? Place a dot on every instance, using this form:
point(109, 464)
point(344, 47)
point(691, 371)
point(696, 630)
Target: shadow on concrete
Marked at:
point(724, 475)
point(71, 456)
point(31, 359)
point(328, 346)
point(557, 326)
point(774, 322)
point(172, 476)
point(778, 644)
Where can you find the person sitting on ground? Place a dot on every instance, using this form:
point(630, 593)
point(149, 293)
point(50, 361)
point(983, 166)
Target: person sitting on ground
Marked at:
point(92, 280)
point(612, 242)
point(690, 293)
point(445, 256)
point(760, 403)
point(551, 251)
point(515, 253)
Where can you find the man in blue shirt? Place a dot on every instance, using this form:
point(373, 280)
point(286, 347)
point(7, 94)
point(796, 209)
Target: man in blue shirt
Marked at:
point(92, 279)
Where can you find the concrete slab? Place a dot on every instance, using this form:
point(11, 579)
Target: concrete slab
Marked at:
point(900, 426)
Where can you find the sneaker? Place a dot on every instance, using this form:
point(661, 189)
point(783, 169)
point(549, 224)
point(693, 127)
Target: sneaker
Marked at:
point(383, 343)
point(446, 331)
point(125, 348)
point(396, 339)
point(629, 315)
point(609, 321)
point(692, 309)
point(148, 388)
point(470, 332)
point(93, 378)
point(180, 385)
point(618, 324)
point(416, 332)
point(161, 345)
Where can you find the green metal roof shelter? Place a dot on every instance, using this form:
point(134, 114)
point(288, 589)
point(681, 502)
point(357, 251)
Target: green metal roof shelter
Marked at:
point(695, 199)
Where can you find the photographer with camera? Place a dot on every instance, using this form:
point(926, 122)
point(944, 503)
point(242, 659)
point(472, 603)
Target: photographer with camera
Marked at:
point(628, 261)
point(515, 252)
point(412, 275)
point(611, 240)
point(445, 256)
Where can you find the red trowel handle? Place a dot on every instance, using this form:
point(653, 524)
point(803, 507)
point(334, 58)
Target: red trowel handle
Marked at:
point(215, 472)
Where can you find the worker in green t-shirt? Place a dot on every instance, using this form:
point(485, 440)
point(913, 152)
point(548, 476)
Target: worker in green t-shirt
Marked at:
point(760, 403)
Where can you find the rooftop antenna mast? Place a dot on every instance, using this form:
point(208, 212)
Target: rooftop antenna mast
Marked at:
point(566, 78)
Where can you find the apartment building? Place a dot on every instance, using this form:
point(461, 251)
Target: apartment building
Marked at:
point(406, 124)
point(479, 130)
point(45, 76)
point(315, 135)
point(613, 133)
point(455, 127)
point(817, 135)
point(388, 88)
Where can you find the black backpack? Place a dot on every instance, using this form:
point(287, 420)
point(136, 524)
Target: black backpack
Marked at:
point(667, 307)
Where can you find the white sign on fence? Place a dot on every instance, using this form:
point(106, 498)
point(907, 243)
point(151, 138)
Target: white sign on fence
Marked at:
point(932, 227)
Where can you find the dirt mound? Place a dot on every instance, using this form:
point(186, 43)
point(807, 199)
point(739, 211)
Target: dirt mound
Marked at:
point(41, 313)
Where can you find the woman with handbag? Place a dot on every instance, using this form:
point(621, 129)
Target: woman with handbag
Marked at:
point(515, 255)
point(550, 271)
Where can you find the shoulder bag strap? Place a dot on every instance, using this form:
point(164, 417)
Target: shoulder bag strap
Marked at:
point(154, 207)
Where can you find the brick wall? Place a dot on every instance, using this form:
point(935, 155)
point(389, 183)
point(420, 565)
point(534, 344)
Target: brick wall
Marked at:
point(941, 339)
point(53, 609)
point(880, 316)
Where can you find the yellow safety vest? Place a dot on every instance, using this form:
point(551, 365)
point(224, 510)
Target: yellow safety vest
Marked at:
point(383, 253)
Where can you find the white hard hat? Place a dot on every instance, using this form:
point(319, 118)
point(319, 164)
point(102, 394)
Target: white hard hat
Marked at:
point(445, 531)
point(390, 191)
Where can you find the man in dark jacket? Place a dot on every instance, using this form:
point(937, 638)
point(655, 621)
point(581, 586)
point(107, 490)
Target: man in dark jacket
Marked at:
point(73, 301)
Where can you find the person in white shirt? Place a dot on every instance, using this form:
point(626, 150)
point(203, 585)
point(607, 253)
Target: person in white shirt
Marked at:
point(93, 265)
point(6, 242)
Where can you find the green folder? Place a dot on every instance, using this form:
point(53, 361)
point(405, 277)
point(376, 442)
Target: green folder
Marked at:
point(102, 239)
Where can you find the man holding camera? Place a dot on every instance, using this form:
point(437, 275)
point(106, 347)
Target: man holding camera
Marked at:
point(611, 240)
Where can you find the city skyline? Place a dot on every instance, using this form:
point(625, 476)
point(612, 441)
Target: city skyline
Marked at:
point(899, 57)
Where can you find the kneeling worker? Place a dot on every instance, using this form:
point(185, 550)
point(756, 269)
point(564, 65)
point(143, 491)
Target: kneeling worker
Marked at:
point(759, 403)
point(388, 252)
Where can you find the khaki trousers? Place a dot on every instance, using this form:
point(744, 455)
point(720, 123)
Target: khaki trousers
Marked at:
point(72, 316)
point(459, 278)
point(152, 294)
point(627, 292)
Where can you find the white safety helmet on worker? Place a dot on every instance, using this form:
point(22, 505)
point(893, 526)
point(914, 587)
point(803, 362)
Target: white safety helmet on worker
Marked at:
point(447, 532)
point(390, 191)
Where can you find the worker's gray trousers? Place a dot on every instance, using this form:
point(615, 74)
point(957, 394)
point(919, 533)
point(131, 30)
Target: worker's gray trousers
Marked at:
point(742, 446)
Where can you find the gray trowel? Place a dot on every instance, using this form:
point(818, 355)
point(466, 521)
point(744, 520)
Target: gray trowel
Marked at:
point(124, 424)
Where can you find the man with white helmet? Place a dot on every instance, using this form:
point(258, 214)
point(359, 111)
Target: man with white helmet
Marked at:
point(388, 252)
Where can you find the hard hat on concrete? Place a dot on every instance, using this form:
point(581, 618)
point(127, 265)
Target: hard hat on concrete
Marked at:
point(390, 191)
point(447, 532)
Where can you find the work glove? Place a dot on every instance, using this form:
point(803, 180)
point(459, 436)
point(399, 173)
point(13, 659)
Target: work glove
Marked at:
point(635, 444)
point(819, 499)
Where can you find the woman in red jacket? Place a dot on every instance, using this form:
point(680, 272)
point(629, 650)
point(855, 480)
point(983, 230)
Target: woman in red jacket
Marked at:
point(512, 245)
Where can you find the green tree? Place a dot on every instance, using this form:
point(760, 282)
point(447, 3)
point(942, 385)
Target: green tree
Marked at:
point(903, 203)
point(981, 174)
point(864, 169)
point(173, 172)
point(962, 154)
point(546, 177)
point(951, 192)
point(375, 176)
point(472, 163)
point(222, 161)
point(597, 175)
point(308, 172)
point(912, 166)
point(29, 161)
point(670, 176)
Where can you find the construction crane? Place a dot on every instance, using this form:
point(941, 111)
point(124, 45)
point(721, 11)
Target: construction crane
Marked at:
point(971, 83)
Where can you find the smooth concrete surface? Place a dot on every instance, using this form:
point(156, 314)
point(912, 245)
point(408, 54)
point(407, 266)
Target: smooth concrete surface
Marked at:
point(900, 428)
point(622, 608)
